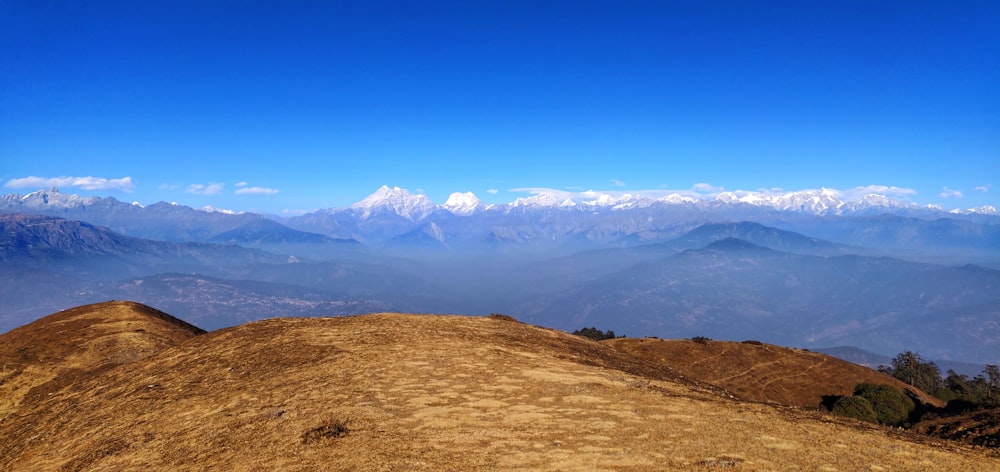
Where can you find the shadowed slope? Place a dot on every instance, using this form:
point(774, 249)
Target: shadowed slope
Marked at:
point(980, 427)
point(50, 353)
point(406, 392)
point(763, 372)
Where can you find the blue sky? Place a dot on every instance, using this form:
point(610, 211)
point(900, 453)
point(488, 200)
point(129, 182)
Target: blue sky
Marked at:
point(274, 106)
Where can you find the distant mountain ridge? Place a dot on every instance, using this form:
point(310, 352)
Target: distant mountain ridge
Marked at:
point(735, 289)
point(905, 278)
point(393, 211)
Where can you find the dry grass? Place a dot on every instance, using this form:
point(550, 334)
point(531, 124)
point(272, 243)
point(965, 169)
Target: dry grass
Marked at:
point(43, 357)
point(763, 372)
point(405, 392)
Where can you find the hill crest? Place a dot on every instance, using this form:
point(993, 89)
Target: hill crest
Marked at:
point(48, 354)
point(428, 392)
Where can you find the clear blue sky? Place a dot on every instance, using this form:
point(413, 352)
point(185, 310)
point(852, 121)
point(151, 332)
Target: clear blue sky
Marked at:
point(325, 101)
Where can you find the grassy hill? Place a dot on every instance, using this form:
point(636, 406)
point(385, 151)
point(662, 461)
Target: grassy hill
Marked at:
point(42, 357)
point(763, 372)
point(408, 392)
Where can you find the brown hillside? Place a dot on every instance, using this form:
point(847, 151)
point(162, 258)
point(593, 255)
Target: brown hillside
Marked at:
point(981, 428)
point(52, 352)
point(409, 392)
point(763, 372)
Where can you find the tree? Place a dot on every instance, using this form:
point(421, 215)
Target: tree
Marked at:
point(992, 380)
point(909, 367)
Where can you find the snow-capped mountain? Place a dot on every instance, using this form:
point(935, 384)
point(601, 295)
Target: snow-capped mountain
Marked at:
point(463, 204)
point(983, 210)
point(45, 200)
point(540, 200)
point(396, 201)
point(676, 199)
point(579, 219)
point(817, 202)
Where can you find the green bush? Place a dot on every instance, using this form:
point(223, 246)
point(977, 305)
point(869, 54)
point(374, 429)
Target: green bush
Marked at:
point(891, 406)
point(595, 334)
point(945, 394)
point(855, 407)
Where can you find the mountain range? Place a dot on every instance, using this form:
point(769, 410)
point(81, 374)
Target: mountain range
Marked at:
point(803, 269)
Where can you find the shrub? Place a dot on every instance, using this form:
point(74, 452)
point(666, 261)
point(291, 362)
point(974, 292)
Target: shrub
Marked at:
point(754, 342)
point(891, 406)
point(701, 339)
point(945, 394)
point(503, 317)
point(595, 334)
point(855, 407)
point(330, 428)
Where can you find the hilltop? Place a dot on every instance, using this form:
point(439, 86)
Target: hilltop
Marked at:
point(56, 351)
point(427, 392)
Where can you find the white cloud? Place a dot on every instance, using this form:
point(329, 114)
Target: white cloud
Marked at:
point(702, 187)
point(617, 183)
point(201, 189)
point(255, 191)
point(241, 184)
point(857, 193)
point(492, 191)
point(124, 184)
point(950, 193)
point(289, 212)
point(983, 188)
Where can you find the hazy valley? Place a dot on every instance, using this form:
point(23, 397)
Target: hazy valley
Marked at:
point(874, 274)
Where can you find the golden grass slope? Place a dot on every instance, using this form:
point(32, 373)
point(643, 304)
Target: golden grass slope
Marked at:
point(763, 372)
point(48, 354)
point(419, 392)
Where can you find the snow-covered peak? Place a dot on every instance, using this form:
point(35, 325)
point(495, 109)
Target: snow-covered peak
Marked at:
point(463, 203)
point(138, 205)
point(53, 198)
point(395, 200)
point(602, 201)
point(623, 202)
point(874, 201)
point(727, 197)
point(538, 200)
point(983, 210)
point(817, 202)
point(809, 201)
point(675, 198)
